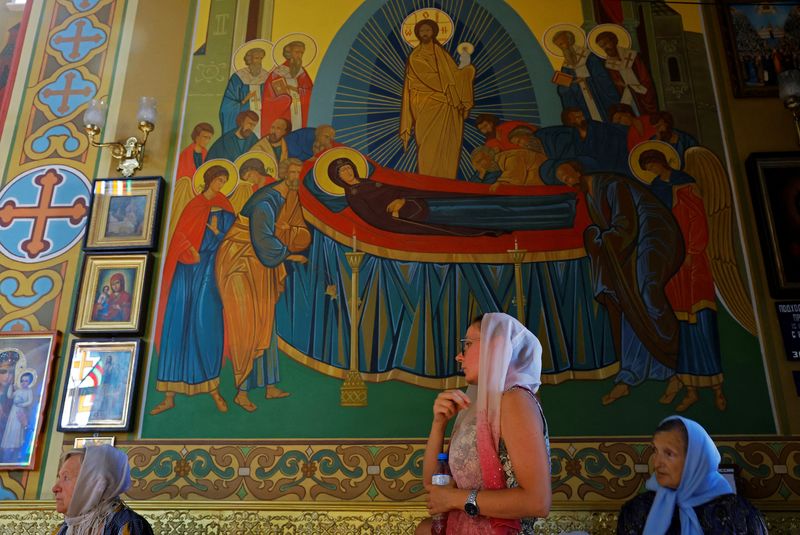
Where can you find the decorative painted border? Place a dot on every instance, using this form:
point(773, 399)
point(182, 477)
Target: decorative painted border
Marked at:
point(595, 475)
point(398, 519)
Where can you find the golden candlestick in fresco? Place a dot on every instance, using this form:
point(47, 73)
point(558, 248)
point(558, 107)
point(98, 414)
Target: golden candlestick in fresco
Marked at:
point(517, 256)
point(353, 392)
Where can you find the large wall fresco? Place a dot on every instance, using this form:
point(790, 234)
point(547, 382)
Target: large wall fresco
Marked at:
point(475, 156)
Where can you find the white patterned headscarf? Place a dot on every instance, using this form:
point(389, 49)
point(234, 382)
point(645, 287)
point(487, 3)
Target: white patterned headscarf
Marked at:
point(510, 356)
point(104, 475)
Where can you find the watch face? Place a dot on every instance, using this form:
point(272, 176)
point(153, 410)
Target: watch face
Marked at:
point(471, 509)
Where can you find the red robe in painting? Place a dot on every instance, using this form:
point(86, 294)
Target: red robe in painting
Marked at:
point(692, 288)
point(276, 103)
point(188, 233)
point(186, 165)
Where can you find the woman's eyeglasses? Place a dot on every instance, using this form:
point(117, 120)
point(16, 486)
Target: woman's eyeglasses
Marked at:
point(466, 343)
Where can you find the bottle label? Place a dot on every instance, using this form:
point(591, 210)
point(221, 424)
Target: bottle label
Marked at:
point(441, 479)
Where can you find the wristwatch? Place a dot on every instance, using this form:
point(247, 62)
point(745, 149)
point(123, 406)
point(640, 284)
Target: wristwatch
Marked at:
point(471, 506)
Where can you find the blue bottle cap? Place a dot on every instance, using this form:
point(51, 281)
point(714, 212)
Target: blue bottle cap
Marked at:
point(442, 457)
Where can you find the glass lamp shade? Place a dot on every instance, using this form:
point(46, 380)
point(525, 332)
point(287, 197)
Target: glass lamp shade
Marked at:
point(95, 114)
point(147, 110)
point(789, 84)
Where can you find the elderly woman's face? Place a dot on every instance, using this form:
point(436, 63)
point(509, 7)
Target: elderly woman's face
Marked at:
point(669, 458)
point(65, 483)
point(470, 353)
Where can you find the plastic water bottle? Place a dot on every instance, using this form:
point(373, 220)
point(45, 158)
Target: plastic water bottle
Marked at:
point(441, 477)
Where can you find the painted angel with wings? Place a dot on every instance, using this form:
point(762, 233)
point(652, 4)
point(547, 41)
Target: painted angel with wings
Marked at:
point(699, 197)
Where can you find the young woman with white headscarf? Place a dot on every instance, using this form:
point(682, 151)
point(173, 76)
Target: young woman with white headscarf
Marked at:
point(499, 449)
point(687, 494)
point(87, 493)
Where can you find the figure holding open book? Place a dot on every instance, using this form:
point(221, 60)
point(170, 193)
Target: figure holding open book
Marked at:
point(287, 91)
point(582, 81)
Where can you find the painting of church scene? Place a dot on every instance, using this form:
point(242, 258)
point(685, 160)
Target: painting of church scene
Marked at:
point(349, 202)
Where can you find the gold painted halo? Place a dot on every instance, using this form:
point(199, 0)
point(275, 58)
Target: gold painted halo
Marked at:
point(269, 163)
point(230, 185)
point(308, 55)
point(23, 371)
point(241, 52)
point(621, 33)
point(321, 168)
point(438, 16)
point(673, 159)
point(550, 46)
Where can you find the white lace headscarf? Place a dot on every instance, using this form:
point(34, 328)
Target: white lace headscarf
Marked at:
point(510, 356)
point(104, 475)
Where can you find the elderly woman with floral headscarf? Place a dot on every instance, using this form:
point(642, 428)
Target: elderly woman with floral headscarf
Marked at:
point(499, 450)
point(687, 495)
point(87, 493)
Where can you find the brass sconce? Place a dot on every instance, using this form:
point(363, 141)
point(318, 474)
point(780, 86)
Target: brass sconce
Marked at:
point(789, 92)
point(130, 153)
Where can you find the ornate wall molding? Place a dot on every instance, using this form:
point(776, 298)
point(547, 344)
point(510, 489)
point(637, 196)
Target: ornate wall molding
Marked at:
point(271, 518)
point(587, 474)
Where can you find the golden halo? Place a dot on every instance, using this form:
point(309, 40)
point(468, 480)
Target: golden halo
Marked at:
point(550, 46)
point(621, 33)
point(230, 185)
point(308, 55)
point(23, 371)
point(269, 163)
point(438, 16)
point(321, 168)
point(238, 56)
point(673, 159)
point(465, 48)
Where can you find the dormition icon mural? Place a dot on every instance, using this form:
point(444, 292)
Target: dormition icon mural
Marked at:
point(440, 144)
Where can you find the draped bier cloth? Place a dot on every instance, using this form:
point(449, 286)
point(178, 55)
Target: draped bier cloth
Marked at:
point(419, 292)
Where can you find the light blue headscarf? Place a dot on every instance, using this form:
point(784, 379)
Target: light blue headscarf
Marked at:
point(700, 483)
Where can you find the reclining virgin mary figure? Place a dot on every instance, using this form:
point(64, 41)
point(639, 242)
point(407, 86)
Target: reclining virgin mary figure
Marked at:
point(407, 210)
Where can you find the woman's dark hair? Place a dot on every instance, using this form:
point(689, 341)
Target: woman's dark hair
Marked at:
point(335, 166)
point(675, 424)
point(477, 319)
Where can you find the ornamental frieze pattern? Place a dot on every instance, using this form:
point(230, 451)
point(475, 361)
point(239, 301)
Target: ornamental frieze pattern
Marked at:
point(594, 474)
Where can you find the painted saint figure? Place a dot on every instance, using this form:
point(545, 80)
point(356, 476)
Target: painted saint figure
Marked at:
point(250, 273)
point(8, 362)
point(437, 97)
point(244, 89)
point(635, 248)
point(237, 141)
point(629, 74)
point(18, 418)
point(116, 306)
point(691, 290)
point(287, 90)
point(189, 325)
point(415, 211)
point(586, 84)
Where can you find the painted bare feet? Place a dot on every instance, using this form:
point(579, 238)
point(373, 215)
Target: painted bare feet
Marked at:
point(620, 390)
point(719, 398)
point(273, 392)
point(165, 405)
point(244, 402)
point(222, 406)
point(688, 400)
point(673, 387)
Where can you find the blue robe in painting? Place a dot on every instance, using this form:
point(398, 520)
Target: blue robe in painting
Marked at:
point(599, 84)
point(230, 146)
point(232, 100)
point(604, 149)
point(190, 355)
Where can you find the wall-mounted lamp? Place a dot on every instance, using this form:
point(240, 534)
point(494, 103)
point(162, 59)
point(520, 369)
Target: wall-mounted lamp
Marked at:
point(130, 153)
point(789, 92)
